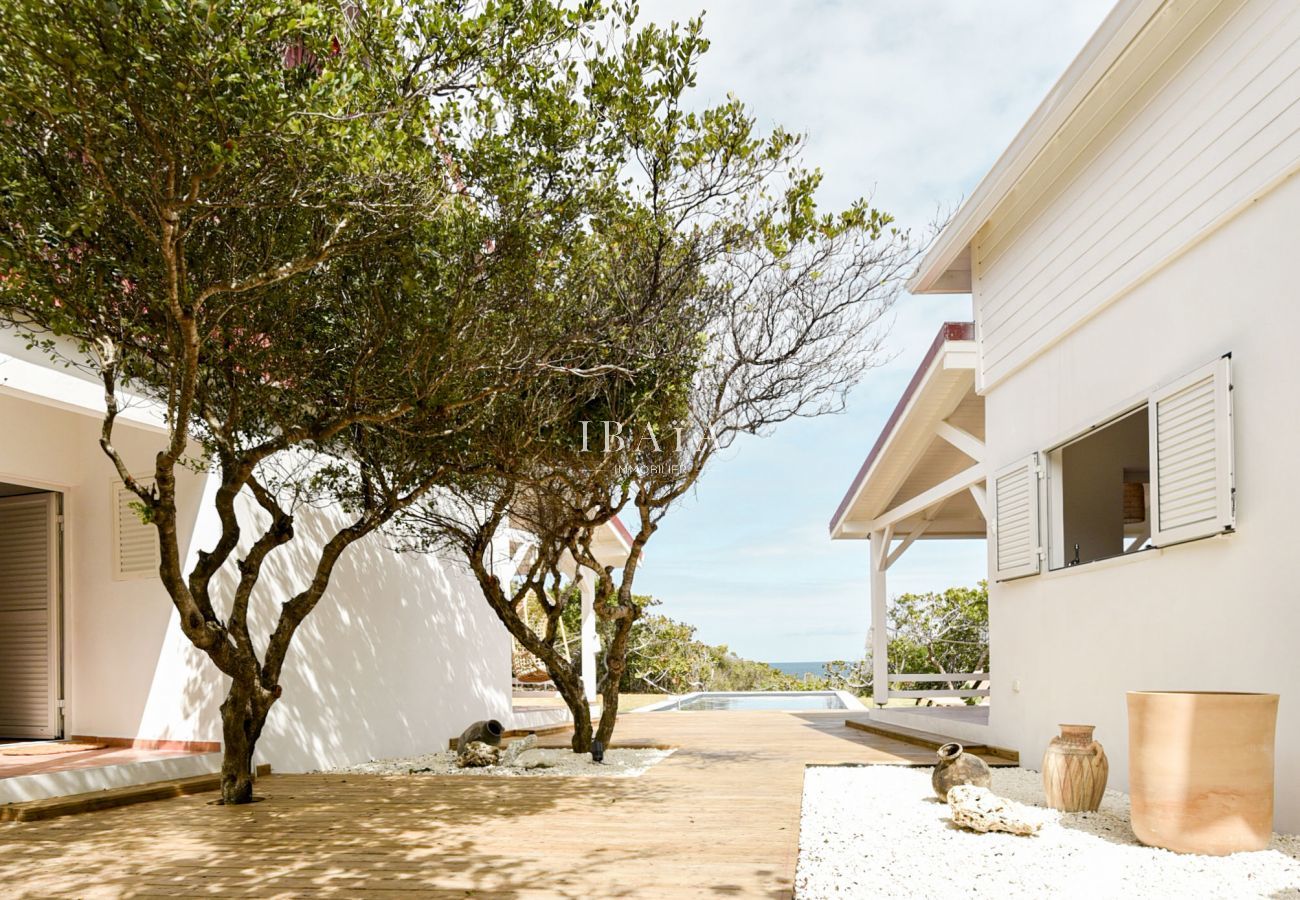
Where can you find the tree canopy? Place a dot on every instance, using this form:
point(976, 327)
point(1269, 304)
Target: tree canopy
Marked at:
point(773, 309)
point(327, 241)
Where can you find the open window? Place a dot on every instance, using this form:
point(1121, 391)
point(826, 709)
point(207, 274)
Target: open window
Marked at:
point(1099, 488)
point(1158, 474)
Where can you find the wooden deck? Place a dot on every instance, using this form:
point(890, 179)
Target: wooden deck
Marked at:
point(719, 818)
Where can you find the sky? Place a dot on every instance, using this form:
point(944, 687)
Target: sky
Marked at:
point(909, 102)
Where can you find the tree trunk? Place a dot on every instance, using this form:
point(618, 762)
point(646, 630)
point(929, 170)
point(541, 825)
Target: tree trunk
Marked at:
point(581, 725)
point(569, 684)
point(241, 725)
point(608, 713)
point(615, 664)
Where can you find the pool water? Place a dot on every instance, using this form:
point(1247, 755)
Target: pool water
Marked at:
point(770, 700)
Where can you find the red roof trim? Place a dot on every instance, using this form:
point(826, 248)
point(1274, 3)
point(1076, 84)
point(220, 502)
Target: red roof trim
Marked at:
point(622, 530)
point(950, 331)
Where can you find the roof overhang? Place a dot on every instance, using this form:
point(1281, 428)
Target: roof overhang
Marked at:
point(946, 268)
point(908, 455)
point(28, 373)
point(612, 543)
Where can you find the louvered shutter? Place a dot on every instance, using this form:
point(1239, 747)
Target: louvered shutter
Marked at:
point(1191, 456)
point(1016, 541)
point(135, 543)
point(29, 619)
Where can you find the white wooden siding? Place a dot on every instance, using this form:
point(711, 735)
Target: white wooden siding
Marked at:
point(1209, 120)
point(1191, 456)
point(1016, 540)
point(28, 617)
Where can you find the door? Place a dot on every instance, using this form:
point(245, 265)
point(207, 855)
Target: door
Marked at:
point(29, 616)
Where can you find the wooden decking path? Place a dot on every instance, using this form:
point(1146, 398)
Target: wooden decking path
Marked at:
point(719, 818)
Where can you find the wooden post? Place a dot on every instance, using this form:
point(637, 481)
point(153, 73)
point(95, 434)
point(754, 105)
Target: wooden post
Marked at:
point(879, 632)
point(587, 638)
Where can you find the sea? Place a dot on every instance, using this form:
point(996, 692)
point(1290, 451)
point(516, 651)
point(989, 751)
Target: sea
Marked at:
point(799, 669)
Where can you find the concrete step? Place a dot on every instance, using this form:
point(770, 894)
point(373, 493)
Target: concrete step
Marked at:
point(54, 807)
point(932, 741)
point(92, 778)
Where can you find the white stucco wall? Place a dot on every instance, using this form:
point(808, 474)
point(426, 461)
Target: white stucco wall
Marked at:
point(1215, 614)
point(399, 656)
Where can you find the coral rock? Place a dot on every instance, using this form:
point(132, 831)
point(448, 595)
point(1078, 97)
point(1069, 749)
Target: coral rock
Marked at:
point(979, 809)
point(477, 754)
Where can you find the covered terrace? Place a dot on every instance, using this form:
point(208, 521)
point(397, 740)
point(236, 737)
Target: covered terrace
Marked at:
point(924, 479)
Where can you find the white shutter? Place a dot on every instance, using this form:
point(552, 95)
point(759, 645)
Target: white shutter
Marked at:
point(29, 641)
point(1016, 542)
point(1191, 456)
point(135, 543)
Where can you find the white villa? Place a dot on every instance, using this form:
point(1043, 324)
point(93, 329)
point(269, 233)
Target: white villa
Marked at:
point(400, 655)
point(1120, 419)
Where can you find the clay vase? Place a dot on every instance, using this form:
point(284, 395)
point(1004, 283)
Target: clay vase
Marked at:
point(1201, 770)
point(1075, 770)
point(955, 766)
point(486, 731)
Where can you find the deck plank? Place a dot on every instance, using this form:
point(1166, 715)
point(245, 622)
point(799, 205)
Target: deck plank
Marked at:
point(720, 817)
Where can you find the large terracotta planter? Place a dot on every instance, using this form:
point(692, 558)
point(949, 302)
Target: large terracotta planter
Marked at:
point(1201, 770)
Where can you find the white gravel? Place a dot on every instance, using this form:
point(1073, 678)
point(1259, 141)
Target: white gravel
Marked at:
point(879, 831)
point(537, 763)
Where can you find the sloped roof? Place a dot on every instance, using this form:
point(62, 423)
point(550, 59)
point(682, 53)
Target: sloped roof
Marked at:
point(908, 458)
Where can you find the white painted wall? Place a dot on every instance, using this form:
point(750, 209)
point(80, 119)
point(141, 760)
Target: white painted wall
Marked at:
point(1215, 614)
point(398, 657)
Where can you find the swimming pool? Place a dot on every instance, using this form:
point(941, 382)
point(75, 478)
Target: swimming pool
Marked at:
point(787, 701)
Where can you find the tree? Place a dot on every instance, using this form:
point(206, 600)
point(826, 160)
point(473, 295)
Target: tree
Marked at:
point(778, 307)
point(539, 483)
point(313, 237)
point(794, 302)
point(543, 479)
point(664, 657)
point(751, 307)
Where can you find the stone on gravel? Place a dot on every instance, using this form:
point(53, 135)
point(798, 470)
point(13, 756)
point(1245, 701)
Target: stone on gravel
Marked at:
point(979, 809)
point(878, 833)
point(477, 755)
point(511, 753)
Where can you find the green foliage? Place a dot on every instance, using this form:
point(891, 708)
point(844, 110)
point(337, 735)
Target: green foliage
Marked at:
point(275, 215)
point(939, 632)
point(664, 656)
point(337, 243)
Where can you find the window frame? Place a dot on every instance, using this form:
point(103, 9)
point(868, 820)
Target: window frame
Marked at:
point(1049, 514)
point(1054, 496)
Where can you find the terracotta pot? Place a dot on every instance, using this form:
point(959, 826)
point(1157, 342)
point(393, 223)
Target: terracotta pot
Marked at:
point(956, 766)
point(1201, 770)
point(1075, 770)
point(486, 731)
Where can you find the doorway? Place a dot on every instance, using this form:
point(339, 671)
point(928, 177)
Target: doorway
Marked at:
point(31, 645)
